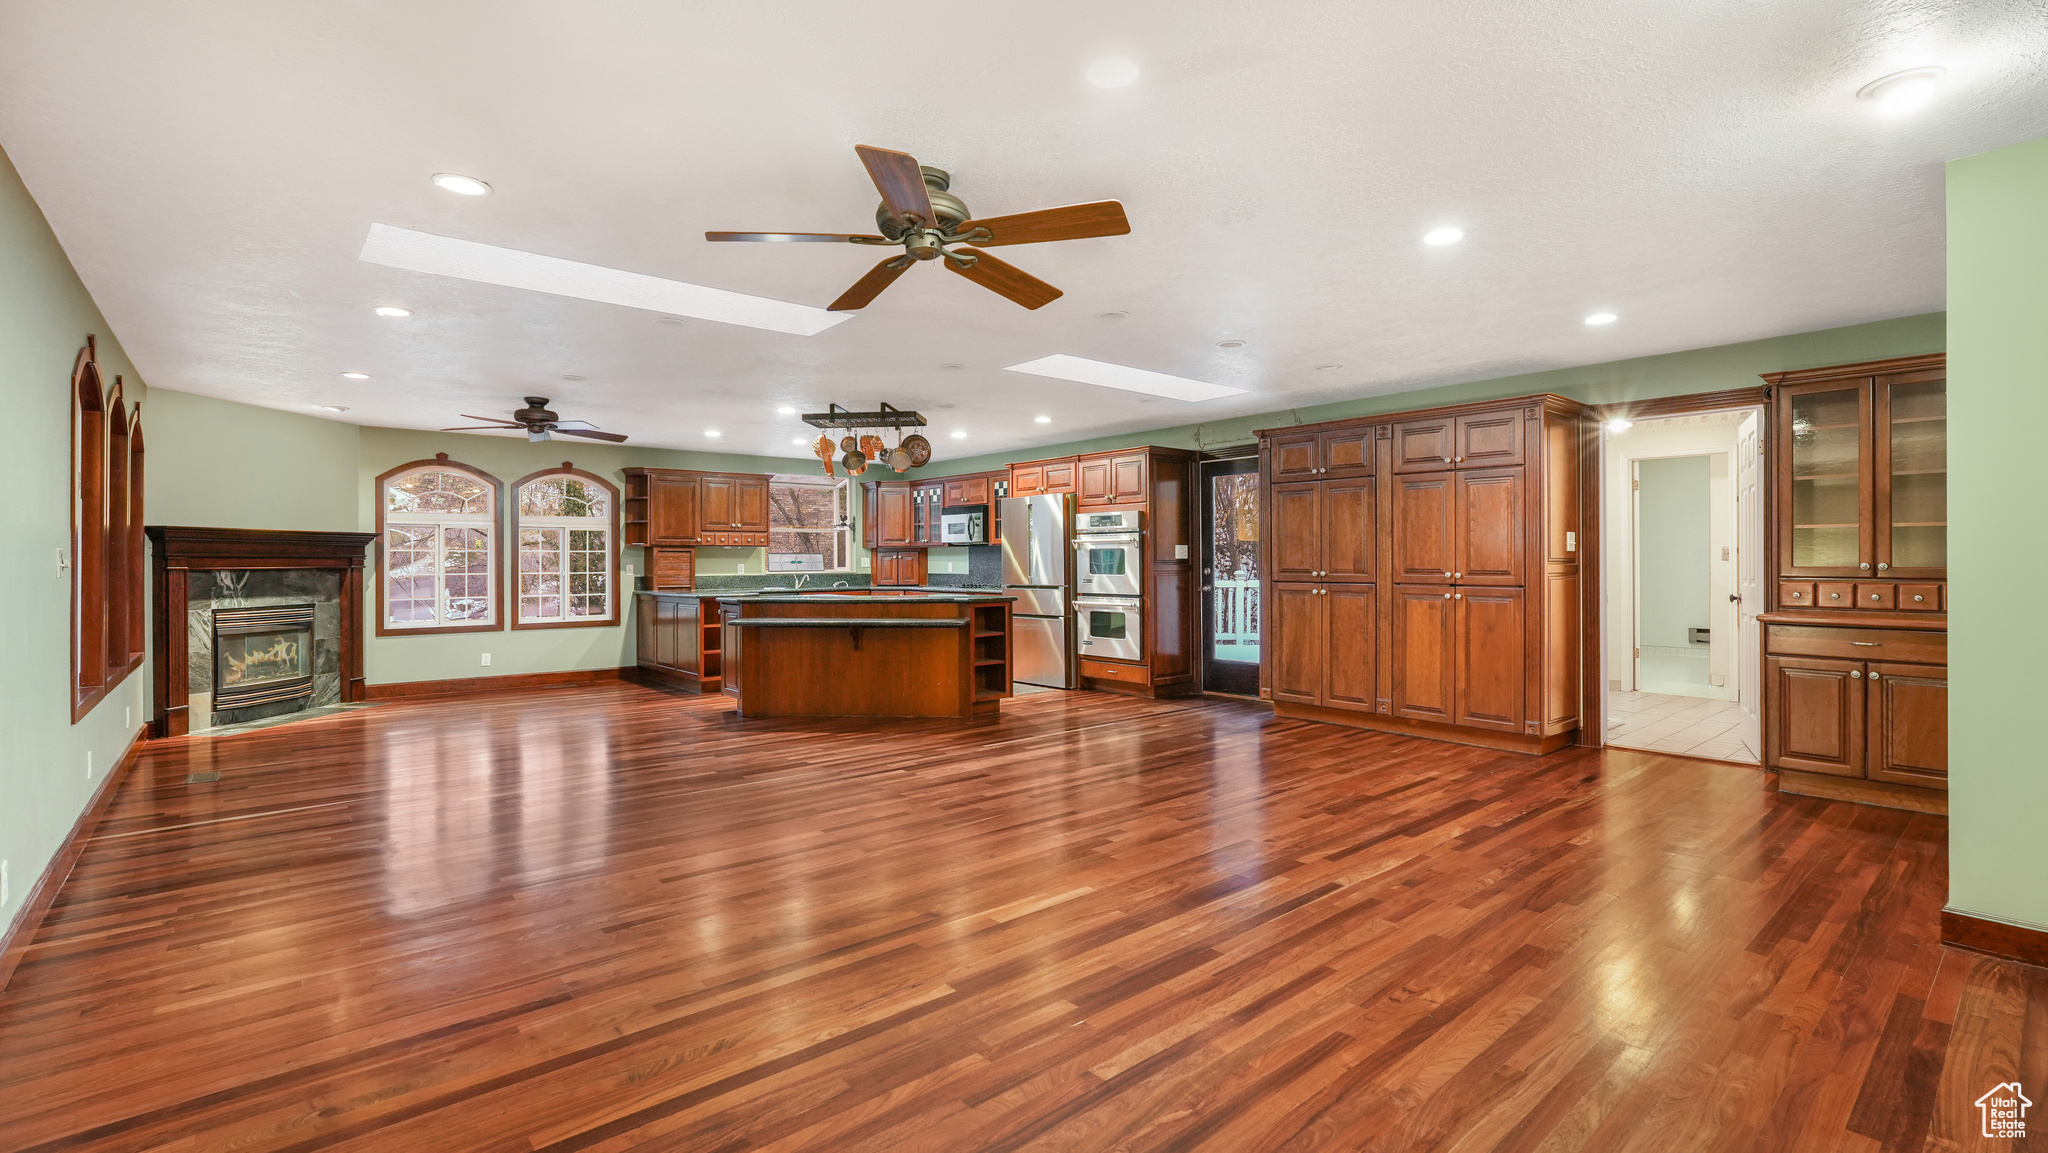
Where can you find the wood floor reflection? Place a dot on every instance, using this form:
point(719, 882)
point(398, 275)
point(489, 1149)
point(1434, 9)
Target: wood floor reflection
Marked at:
point(609, 918)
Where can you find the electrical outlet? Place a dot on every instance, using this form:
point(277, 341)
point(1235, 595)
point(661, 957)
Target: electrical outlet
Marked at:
point(5, 892)
point(88, 764)
point(487, 660)
point(629, 572)
point(741, 568)
point(128, 717)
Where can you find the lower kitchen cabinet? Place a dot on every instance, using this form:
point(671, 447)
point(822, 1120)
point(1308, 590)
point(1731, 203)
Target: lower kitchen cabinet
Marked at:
point(1828, 711)
point(1490, 675)
point(1424, 653)
point(1325, 647)
point(1816, 712)
point(1908, 708)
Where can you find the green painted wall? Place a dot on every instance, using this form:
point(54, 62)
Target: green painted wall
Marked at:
point(45, 315)
point(1643, 378)
point(228, 465)
point(1998, 537)
point(1672, 557)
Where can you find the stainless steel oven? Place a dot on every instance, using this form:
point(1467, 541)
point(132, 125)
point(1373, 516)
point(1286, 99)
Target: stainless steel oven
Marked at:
point(1110, 627)
point(1109, 564)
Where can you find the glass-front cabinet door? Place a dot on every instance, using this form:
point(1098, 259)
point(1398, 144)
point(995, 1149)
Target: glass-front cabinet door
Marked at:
point(1824, 452)
point(1912, 464)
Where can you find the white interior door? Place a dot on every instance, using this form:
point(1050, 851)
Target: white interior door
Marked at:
point(1749, 565)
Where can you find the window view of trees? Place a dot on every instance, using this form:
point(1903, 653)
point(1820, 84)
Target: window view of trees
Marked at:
point(1235, 542)
point(810, 526)
point(567, 550)
point(438, 524)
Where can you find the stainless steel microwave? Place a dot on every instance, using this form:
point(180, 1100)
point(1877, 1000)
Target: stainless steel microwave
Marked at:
point(964, 527)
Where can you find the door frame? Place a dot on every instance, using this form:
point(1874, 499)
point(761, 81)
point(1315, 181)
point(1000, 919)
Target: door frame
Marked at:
point(1204, 511)
point(1593, 706)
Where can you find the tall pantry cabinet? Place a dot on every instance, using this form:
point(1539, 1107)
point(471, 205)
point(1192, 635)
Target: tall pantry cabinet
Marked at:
point(1423, 571)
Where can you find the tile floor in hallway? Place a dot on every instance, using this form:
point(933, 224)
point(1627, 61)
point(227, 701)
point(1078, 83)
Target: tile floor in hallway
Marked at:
point(1664, 723)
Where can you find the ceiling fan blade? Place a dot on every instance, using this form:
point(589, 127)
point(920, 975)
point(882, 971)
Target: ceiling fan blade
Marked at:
point(483, 428)
point(798, 237)
point(1005, 279)
point(870, 286)
point(1074, 222)
point(591, 433)
point(897, 177)
point(493, 419)
point(566, 425)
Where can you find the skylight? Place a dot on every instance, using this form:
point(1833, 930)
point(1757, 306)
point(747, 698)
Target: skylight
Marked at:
point(1077, 368)
point(488, 264)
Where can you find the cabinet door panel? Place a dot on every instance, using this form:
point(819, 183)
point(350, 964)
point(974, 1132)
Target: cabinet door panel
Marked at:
point(1425, 639)
point(1424, 550)
point(1060, 477)
point(1348, 453)
point(1296, 530)
point(1424, 445)
point(672, 510)
point(1825, 475)
point(1490, 672)
point(1127, 478)
point(1350, 510)
point(892, 515)
point(1815, 713)
point(1911, 474)
point(1489, 527)
point(1489, 439)
point(1350, 648)
point(1095, 482)
point(1027, 481)
point(720, 502)
point(752, 499)
point(1295, 457)
point(1909, 724)
point(1295, 626)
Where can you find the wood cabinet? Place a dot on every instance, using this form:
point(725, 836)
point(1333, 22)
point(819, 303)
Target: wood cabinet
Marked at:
point(1443, 522)
point(966, 490)
point(1114, 478)
point(1856, 666)
point(672, 568)
point(890, 522)
point(899, 567)
point(678, 639)
point(1042, 476)
point(673, 507)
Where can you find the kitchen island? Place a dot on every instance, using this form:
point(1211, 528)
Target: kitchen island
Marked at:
point(850, 652)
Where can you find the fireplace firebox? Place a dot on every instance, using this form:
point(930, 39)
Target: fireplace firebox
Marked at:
point(262, 655)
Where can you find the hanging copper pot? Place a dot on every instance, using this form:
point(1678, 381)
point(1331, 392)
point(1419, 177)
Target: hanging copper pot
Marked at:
point(871, 446)
point(919, 448)
point(855, 462)
point(848, 444)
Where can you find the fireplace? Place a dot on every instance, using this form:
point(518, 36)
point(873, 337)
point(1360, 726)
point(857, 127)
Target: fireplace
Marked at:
point(262, 656)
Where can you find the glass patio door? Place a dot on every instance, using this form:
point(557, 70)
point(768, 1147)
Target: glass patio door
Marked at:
point(1231, 614)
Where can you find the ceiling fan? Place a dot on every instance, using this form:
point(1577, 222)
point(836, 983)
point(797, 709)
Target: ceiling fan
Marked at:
point(919, 213)
point(539, 423)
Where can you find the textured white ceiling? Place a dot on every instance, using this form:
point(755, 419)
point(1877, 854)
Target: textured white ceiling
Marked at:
point(1700, 167)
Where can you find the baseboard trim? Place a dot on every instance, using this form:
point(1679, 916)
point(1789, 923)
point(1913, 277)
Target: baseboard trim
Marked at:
point(1534, 746)
point(1883, 794)
point(2023, 943)
point(36, 904)
point(478, 686)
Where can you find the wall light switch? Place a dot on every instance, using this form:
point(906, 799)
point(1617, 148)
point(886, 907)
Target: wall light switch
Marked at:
point(88, 764)
point(63, 559)
point(1180, 552)
point(4, 892)
point(1571, 542)
point(487, 660)
point(629, 572)
point(128, 717)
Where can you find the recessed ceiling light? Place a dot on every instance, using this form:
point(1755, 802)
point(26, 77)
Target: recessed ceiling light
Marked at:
point(465, 185)
point(786, 410)
point(951, 365)
point(389, 310)
point(711, 432)
point(1041, 420)
point(1113, 315)
point(1600, 318)
point(335, 407)
point(355, 376)
point(798, 440)
point(1442, 236)
point(1327, 367)
point(1619, 425)
point(511, 268)
point(1080, 368)
point(1112, 72)
point(1230, 344)
point(1902, 92)
point(959, 434)
point(572, 379)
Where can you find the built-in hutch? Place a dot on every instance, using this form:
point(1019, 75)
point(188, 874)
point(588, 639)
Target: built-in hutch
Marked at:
point(1423, 571)
point(1856, 639)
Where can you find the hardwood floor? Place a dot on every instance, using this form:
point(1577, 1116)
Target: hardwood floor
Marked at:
point(605, 917)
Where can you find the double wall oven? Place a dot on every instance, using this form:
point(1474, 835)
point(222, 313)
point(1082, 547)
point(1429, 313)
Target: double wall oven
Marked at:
point(1109, 553)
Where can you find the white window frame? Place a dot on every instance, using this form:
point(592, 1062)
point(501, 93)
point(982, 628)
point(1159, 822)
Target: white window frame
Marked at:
point(521, 522)
point(842, 560)
point(440, 522)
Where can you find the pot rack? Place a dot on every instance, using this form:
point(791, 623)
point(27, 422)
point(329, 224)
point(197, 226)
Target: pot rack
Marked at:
point(889, 416)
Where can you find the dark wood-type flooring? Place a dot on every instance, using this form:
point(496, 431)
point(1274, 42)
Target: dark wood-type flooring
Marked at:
point(601, 918)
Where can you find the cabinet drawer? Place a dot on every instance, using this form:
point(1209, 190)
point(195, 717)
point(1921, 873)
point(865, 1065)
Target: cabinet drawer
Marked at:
point(1835, 595)
point(1795, 594)
point(1857, 644)
point(1920, 598)
point(1873, 596)
point(1105, 671)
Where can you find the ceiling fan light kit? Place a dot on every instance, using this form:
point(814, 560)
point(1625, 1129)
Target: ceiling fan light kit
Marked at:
point(920, 213)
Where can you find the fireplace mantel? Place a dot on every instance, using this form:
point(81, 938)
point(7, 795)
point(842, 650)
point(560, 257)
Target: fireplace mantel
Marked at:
point(179, 551)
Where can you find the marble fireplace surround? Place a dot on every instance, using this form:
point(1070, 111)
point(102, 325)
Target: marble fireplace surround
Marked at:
point(196, 569)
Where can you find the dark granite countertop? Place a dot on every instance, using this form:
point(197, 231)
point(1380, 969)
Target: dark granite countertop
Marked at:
point(863, 591)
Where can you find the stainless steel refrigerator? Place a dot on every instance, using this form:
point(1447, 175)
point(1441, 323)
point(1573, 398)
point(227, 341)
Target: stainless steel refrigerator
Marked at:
point(1038, 533)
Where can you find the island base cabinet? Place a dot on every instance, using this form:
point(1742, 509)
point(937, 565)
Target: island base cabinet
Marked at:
point(1325, 645)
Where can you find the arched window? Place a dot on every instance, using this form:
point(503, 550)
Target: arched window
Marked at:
point(565, 550)
point(437, 540)
point(106, 534)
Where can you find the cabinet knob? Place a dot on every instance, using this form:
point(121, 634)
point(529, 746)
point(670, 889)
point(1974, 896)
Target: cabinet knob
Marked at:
point(1447, 460)
point(1447, 596)
point(1834, 596)
point(1447, 576)
point(1883, 565)
point(1457, 576)
point(1855, 675)
point(1798, 596)
point(1458, 460)
point(1874, 596)
point(1458, 596)
point(1917, 599)
point(1865, 566)
point(1873, 676)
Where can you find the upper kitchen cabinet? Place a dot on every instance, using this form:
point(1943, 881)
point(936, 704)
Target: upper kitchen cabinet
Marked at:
point(891, 521)
point(1042, 476)
point(1476, 440)
point(676, 507)
point(1112, 478)
point(1862, 470)
point(1325, 455)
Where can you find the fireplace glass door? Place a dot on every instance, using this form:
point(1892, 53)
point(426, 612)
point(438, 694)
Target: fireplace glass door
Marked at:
point(262, 655)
